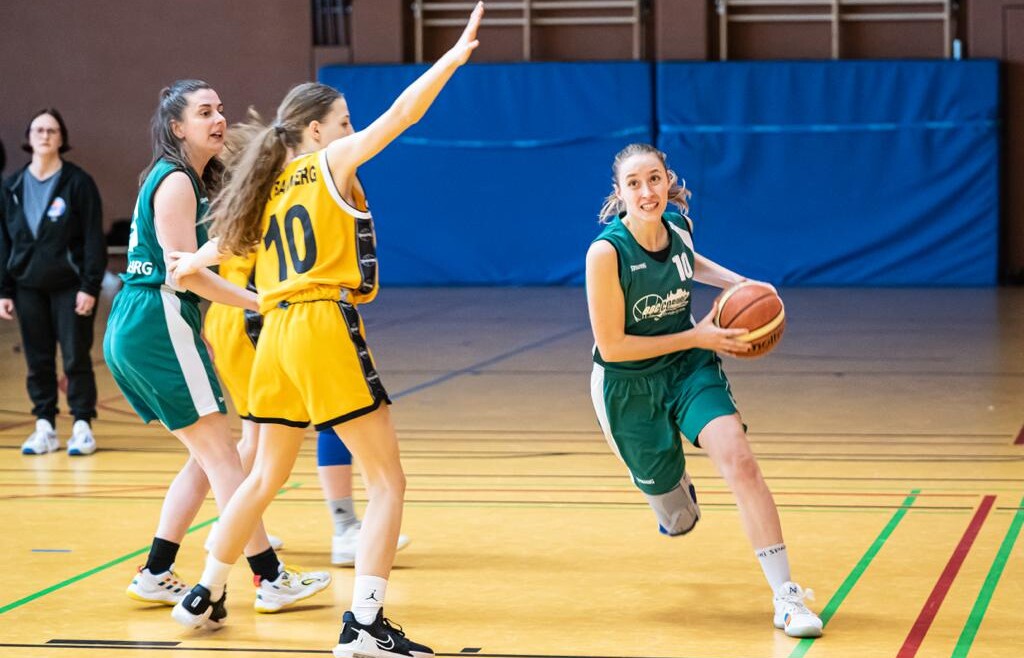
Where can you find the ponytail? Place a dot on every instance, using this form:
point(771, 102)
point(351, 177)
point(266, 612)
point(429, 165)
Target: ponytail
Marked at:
point(256, 155)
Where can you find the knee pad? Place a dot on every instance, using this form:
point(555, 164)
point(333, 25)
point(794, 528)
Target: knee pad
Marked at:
point(677, 510)
point(331, 450)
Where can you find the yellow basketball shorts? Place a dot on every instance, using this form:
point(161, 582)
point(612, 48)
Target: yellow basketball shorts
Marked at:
point(312, 363)
point(233, 352)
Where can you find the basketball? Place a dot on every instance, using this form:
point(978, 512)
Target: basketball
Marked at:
point(757, 308)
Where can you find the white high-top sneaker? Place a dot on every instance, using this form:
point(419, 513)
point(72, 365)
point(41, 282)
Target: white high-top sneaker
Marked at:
point(343, 546)
point(167, 587)
point(291, 586)
point(792, 616)
point(42, 441)
point(81, 441)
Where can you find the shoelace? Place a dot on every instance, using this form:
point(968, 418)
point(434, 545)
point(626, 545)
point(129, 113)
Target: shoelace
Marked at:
point(397, 628)
point(291, 571)
point(797, 600)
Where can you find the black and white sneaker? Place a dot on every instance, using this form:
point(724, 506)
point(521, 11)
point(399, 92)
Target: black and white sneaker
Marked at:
point(380, 639)
point(196, 610)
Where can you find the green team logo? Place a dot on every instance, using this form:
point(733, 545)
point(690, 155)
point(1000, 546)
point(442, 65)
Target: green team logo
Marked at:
point(655, 307)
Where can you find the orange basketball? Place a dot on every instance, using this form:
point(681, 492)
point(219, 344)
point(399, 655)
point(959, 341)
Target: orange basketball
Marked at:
point(757, 308)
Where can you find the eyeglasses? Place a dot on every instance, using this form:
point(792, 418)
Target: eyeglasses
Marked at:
point(45, 131)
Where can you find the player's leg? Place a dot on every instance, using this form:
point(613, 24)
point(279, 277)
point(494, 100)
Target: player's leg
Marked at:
point(374, 443)
point(334, 468)
point(726, 444)
point(634, 415)
point(156, 581)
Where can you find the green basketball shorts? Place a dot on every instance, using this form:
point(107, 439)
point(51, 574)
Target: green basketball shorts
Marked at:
point(154, 350)
point(642, 416)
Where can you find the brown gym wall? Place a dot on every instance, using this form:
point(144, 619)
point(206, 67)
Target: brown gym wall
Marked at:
point(102, 63)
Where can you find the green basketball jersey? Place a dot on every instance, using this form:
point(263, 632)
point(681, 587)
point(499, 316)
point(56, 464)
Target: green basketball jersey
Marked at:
point(657, 294)
point(146, 265)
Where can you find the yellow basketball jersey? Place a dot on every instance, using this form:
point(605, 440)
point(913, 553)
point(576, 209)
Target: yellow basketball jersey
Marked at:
point(238, 269)
point(313, 237)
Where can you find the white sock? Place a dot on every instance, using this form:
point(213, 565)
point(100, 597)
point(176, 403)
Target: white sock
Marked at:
point(775, 564)
point(215, 577)
point(368, 598)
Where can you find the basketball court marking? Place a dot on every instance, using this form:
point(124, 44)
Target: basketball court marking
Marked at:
point(116, 561)
point(174, 646)
point(1020, 437)
point(491, 361)
point(963, 645)
point(858, 570)
point(938, 595)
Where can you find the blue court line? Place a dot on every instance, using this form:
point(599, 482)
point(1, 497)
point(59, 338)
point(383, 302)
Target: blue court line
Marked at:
point(51, 550)
point(520, 143)
point(826, 127)
point(489, 362)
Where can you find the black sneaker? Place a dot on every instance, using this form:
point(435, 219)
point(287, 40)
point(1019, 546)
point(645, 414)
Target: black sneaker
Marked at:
point(196, 610)
point(380, 640)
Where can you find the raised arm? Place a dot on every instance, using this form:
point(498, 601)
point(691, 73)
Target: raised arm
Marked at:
point(346, 154)
point(174, 208)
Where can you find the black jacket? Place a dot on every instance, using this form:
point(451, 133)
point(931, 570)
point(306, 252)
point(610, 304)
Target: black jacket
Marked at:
point(69, 251)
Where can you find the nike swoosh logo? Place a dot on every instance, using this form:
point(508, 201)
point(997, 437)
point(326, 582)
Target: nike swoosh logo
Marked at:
point(309, 581)
point(386, 646)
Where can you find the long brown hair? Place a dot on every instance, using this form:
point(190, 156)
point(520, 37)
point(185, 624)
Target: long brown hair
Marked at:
point(166, 145)
point(258, 155)
point(677, 192)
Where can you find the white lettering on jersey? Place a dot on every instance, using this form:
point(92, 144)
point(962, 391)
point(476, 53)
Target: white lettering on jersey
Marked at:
point(655, 307)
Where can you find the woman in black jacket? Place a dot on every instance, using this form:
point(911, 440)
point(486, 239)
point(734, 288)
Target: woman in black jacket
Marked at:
point(52, 259)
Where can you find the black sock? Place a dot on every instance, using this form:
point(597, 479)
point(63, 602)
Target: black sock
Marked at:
point(265, 565)
point(161, 555)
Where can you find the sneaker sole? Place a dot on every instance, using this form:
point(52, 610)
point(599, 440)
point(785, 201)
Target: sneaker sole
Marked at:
point(263, 610)
point(803, 631)
point(79, 453)
point(143, 599)
point(195, 622)
point(340, 652)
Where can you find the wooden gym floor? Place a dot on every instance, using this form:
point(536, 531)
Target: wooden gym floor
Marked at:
point(888, 424)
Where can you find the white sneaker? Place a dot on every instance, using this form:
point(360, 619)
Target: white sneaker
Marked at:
point(276, 542)
point(81, 441)
point(42, 441)
point(167, 587)
point(343, 546)
point(291, 586)
point(792, 616)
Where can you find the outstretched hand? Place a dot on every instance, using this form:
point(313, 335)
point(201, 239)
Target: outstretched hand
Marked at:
point(181, 263)
point(710, 337)
point(468, 42)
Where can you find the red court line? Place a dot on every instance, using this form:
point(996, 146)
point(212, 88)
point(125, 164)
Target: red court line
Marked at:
point(1020, 437)
point(938, 595)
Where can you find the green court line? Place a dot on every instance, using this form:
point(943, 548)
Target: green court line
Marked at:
point(85, 574)
point(837, 599)
point(963, 645)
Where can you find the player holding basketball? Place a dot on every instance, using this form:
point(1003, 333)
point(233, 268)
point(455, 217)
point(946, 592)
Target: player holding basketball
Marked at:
point(295, 198)
point(155, 354)
point(656, 372)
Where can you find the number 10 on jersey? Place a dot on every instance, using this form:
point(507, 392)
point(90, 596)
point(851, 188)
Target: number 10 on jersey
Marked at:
point(281, 238)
